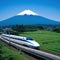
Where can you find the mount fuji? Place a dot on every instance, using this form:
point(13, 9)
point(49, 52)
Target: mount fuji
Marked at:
point(28, 17)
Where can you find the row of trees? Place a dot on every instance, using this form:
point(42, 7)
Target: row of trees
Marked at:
point(57, 29)
point(23, 28)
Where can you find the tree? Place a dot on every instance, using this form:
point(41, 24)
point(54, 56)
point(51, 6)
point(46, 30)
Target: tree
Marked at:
point(40, 27)
point(57, 29)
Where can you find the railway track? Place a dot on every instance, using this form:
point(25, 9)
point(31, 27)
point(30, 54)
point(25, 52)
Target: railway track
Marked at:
point(40, 55)
point(27, 55)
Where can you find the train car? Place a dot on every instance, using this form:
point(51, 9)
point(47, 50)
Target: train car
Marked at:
point(26, 41)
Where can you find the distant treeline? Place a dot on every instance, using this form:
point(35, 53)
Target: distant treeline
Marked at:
point(23, 28)
point(16, 29)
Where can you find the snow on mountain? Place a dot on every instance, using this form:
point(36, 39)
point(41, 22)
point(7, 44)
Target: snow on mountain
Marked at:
point(27, 12)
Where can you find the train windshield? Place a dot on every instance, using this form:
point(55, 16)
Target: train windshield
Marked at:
point(28, 38)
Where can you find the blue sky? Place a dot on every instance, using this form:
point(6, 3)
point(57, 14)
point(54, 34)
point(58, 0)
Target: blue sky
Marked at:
point(46, 8)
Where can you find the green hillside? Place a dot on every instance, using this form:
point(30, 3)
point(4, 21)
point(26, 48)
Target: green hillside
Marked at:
point(48, 40)
point(7, 53)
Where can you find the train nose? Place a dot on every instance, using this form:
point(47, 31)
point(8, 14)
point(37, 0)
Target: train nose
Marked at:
point(35, 43)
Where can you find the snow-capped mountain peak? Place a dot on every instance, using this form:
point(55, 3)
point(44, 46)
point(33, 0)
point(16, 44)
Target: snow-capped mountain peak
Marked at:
point(27, 12)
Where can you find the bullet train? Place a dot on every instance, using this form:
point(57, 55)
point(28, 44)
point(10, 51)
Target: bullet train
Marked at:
point(26, 41)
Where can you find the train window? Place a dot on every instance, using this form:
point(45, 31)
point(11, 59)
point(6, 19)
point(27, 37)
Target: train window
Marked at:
point(28, 38)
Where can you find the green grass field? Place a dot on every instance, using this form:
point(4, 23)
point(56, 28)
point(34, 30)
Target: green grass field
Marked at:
point(49, 41)
point(7, 53)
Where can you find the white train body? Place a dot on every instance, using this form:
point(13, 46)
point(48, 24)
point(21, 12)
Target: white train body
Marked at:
point(27, 41)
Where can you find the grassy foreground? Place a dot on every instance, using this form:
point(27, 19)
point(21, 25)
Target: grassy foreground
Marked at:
point(9, 54)
point(48, 40)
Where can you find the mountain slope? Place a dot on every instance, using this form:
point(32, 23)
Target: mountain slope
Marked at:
point(28, 19)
